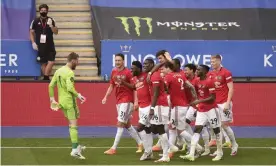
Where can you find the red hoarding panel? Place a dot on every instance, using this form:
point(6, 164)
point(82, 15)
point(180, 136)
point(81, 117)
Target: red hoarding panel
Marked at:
point(27, 104)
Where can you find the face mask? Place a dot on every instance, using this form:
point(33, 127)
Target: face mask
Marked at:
point(43, 14)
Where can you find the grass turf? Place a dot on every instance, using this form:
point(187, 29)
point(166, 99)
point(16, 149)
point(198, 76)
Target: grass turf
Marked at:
point(53, 155)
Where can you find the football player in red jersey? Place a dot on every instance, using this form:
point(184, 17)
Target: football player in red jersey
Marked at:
point(159, 111)
point(224, 93)
point(124, 99)
point(206, 113)
point(162, 56)
point(190, 72)
point(175, 83)
point(140, 85)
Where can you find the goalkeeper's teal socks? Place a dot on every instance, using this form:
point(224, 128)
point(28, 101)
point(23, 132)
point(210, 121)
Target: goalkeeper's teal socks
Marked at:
point(73, 130)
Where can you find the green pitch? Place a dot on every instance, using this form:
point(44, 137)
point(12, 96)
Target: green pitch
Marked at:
point(55, 151)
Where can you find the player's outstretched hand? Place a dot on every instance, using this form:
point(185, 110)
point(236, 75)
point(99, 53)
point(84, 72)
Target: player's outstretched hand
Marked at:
point(82, 98)
point(104, 100)
point(168, 56)
point(226, 107)
point(54, 105)
point(136, 107)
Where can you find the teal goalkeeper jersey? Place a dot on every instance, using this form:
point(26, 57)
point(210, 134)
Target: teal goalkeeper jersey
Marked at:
point(64, 80)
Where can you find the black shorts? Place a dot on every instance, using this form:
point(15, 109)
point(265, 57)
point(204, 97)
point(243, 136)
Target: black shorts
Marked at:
point(46, 53)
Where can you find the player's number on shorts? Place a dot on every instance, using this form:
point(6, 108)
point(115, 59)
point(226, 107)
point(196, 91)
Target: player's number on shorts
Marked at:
point(181, 82)
point(173, 121)
point(123, 114)
point(155, 117)
point(227, 114)
point(214, 121)
point(144, 117)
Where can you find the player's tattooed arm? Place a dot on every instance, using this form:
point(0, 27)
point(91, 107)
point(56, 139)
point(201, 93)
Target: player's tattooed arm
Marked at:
point(211, 98)
point(192, 88)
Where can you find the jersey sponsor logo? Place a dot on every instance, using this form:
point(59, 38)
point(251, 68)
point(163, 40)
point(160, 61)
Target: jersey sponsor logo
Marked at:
point(141, 78)
point(218, 77)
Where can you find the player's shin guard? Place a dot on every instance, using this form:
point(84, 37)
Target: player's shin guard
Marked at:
point(134, 134)
point(165, 144)
point(213, 136)
point(189, 129)
point(187, 137)
point(219, 143)
point(172, 137)
point(225, 135)
point(205, 137)
point(194, 142)
point(149, 142)
point(230, 134)
point(118, 136)
point(73, 130)
point(143, 136)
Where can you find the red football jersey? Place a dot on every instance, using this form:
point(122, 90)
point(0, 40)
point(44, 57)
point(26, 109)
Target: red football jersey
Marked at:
point(123, 94)
point(204, 88)
point(156, 80)
point(221, 78)
point(142, 88)
point(175, 82)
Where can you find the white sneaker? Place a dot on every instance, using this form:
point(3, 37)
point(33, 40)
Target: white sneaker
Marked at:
point(77, 152)
point(206, 152)
point(213, 154)
point(217, 158)
point(146, 156)
point(173, 149)
point(234, 149)
point(188, 157)
point(163, 159)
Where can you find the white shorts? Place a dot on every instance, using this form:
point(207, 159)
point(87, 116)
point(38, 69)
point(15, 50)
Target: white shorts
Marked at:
point(178, 117)
point(212, 117)
point(124, 111)
point(143, 116)
point(226, 116)
point(190, 114)
point(161, 115)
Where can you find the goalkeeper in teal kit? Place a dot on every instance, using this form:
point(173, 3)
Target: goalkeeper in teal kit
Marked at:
point(64, 80)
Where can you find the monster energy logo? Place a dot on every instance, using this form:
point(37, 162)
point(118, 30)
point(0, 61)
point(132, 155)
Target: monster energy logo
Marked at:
point(137, 23)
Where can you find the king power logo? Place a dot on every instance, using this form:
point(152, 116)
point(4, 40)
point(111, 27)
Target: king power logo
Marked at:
point(137, 23)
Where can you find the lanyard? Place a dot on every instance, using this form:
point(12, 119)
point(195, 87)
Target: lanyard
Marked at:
point(43, 25)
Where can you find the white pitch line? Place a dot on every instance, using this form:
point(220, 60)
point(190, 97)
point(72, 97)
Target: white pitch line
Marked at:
point(101, 147)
